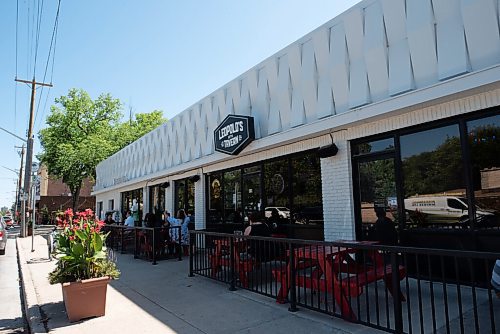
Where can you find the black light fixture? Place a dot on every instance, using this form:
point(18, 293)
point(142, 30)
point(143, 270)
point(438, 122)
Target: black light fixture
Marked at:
point(194, 178)
point(328, 151)
point(165, 184)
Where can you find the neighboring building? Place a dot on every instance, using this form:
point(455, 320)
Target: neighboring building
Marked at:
point(53, 195)
point(389, 100)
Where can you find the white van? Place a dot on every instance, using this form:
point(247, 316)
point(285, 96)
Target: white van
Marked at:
point(442, 208)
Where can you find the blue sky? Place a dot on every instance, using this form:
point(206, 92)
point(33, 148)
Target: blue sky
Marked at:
point(151, 54)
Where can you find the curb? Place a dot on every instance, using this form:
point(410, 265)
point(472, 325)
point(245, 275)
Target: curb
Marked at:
point(30, 300)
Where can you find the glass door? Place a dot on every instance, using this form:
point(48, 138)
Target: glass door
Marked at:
point(376, 183)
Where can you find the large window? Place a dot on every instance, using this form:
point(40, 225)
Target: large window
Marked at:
point(157, 199)
point(433, 173)
point(291, 184)
point(307, 206)
point(443, 176)
point(132, 200)
point(184, 195)
point(484, 143)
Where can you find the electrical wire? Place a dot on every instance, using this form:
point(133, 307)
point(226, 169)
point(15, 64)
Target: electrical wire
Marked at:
point(53, 42)
point(38, 24)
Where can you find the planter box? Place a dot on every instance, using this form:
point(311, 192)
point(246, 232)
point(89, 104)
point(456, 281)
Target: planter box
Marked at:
point(85, 299)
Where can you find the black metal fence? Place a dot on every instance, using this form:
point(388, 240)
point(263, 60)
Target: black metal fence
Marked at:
point(146, 243)
point(396, 289)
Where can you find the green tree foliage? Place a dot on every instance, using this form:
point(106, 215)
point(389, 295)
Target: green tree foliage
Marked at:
point(130, 131)
point(83, 132)
point(435, 172)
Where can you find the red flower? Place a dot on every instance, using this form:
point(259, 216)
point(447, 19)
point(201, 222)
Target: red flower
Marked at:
point(69, 212)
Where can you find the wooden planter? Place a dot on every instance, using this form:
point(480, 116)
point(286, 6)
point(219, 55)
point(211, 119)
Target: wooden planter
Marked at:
point(85, 299)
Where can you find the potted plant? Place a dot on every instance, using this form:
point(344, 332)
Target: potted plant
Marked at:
point(83, 266)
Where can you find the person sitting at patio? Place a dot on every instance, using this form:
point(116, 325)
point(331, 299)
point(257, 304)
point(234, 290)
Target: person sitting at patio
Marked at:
point(275, 222)
point(385, 231)
point(109, 219)
point(257, 228)
point(129, 221)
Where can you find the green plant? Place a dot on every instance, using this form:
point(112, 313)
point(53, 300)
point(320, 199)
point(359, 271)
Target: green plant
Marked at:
point(80, 250)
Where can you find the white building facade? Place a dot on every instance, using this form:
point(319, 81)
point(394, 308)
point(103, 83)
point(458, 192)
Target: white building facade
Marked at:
point(390, 83)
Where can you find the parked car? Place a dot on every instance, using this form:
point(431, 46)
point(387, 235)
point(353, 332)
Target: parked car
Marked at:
point(282, 211)
point(3, 236)
point(8, 221)
point(309, 215)
point(443, 209)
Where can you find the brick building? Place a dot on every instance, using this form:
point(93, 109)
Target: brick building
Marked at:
point(55, 196)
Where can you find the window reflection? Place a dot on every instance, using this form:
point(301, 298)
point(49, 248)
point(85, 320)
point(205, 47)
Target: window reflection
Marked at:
point(307, 195)
point(433, 174)
point(377, 186)
point(381, 145)
point(232, 194)
point(484, 143)
point(214, 198)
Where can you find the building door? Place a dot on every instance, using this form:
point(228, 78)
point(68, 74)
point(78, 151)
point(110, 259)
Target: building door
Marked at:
point(376, 188)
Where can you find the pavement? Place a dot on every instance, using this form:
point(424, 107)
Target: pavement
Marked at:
point(162, 299)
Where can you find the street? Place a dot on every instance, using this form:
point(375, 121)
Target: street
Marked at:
point(11, 314)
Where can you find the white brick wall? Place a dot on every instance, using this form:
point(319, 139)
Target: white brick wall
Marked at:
point(338, 207)
point(199, 204)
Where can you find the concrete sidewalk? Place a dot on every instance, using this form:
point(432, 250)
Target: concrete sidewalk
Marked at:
point(163, 299)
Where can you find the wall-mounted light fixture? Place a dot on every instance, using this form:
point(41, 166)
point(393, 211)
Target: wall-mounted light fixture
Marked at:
point(328, 151)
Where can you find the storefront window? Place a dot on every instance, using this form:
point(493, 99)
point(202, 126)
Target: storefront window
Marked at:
point(376, 146)
point(184, 195)
point(133, 201)
point(266, 185)
point(433, 174)
point(156, 199)
point(232, 195)
point(215, 210)
point(484, 144)
point(377, 189)
point(307, 206)
point(277, 185)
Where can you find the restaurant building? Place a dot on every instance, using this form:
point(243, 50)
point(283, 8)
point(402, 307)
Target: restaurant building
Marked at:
point(392, 104)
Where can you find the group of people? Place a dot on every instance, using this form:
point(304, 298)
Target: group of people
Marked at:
point(170, 234)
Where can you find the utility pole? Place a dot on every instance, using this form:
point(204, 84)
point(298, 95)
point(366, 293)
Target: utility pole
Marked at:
point(29, 149)
point(18, 198)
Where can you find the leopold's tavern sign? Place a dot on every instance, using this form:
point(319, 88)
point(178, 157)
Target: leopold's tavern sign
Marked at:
point(234, 134)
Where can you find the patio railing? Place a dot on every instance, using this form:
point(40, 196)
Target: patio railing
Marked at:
point(146, 243)
point(396, 289)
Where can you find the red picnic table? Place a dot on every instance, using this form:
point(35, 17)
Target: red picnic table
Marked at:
point(222, 258)
point(327, 263)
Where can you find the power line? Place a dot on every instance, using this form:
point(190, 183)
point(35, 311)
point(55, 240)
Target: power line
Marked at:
point(53, 42)
point(38, 24)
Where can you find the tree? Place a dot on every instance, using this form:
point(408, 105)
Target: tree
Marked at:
point(83, 132)
point(128, 132)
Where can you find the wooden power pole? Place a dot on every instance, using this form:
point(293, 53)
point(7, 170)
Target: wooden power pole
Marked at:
point(29, 151)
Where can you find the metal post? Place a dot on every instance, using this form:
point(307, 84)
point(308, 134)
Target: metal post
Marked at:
point(293, 294)
point(191, 253)
point(231, 269)
point(396, 294)
point(154, 247)
point(33, 202)
point(179, 246)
